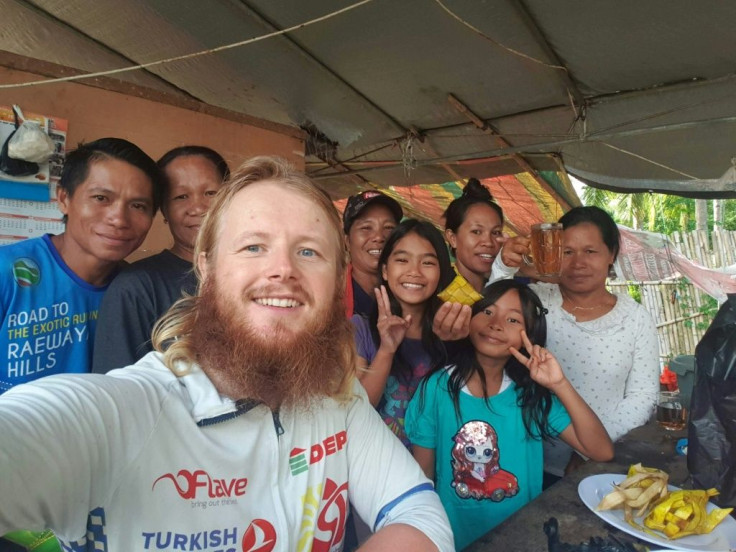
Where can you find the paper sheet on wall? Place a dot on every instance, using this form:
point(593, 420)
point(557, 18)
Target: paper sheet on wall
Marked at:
point(20, 219)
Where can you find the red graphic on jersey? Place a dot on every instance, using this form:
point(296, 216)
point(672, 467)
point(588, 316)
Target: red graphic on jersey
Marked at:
point(332, 517)
point(260, 536)
point(187, 483)
point(327, 447)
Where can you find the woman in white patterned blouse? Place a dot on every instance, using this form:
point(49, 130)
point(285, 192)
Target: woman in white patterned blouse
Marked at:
point(607, 344)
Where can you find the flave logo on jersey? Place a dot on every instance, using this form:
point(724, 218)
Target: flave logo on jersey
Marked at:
point(324, 511)
point(195, 484)
point(300, 459)
point(26, 272)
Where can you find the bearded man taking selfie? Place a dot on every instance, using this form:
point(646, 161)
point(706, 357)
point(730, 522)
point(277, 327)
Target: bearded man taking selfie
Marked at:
point(246, 429)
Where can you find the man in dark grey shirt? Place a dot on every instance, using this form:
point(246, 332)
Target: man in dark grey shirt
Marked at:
point(145, 290)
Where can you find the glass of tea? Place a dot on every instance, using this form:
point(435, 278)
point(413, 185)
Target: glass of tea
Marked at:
point(670, 413)
point(546, 246)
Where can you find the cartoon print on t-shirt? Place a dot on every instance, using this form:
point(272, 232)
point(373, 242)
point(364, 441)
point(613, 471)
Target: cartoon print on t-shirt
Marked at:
point(475, 464)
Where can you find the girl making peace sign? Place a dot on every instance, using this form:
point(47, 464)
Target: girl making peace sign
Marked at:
point(477, 427)
point(397, 343)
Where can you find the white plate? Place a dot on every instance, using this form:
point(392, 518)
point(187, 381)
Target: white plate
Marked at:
point(593, 488)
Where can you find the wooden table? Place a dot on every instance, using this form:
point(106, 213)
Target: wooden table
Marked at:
point(651, 445)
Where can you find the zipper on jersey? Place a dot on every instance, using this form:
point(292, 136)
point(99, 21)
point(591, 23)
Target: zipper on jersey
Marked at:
point(241, 407)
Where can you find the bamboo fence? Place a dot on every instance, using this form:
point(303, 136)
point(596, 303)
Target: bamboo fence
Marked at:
point(676, 305)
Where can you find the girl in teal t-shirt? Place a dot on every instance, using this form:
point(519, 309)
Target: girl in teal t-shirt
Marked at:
point(477, 426)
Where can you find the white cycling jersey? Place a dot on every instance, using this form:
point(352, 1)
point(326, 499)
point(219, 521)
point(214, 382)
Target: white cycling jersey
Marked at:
point(141, 459)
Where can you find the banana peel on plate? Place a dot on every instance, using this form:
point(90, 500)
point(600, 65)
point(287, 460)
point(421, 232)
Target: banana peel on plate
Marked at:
point(683, 513)
point(676, 514)
point(642, 487)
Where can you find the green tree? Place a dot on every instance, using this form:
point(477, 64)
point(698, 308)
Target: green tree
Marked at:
point(633, 210)
point(662, 213)
point(597, 196)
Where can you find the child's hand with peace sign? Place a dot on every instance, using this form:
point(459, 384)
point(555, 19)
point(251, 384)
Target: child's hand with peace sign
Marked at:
point(391, 328)
point(543, 366)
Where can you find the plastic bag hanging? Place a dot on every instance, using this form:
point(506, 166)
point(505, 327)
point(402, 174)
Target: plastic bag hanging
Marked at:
point(711, 453)
point(11, 166)
point(29, 142)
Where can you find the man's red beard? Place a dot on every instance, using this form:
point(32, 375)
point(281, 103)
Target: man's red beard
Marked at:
point(282, 369)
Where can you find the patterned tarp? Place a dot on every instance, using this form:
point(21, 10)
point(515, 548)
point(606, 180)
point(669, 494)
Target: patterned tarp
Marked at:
point(524, 200)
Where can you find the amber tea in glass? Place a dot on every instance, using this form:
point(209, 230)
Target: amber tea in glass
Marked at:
point(546, 245)
point(670, 413)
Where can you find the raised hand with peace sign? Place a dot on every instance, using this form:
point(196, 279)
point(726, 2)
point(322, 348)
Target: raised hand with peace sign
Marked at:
point(391, 328)
point(543, 366)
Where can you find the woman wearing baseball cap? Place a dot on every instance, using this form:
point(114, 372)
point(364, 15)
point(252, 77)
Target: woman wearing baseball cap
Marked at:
point(368, 220)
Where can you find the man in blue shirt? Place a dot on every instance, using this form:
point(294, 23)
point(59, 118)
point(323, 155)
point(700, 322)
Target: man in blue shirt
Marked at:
point(51, 287)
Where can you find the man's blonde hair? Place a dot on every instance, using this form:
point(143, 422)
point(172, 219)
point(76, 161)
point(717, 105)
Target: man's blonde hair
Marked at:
point(171, 332)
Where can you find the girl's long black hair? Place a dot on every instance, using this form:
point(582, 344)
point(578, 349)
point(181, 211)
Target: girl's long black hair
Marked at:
point(535, 400)
point(434, 347)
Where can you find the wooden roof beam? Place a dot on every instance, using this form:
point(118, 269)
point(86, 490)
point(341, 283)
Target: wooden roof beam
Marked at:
point(485, 127)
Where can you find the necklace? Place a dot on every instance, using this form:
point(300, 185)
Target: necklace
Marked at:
point(577, 308)
point(587, 308)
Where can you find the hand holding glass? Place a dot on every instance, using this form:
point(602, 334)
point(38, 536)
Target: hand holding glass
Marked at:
point(546, 245)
